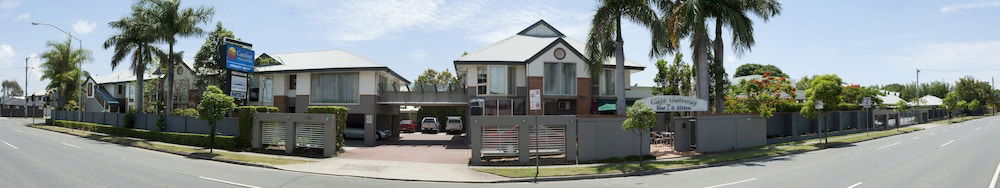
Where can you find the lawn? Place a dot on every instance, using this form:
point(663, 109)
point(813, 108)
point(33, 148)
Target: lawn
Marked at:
point(632, 167)
point(191, 151)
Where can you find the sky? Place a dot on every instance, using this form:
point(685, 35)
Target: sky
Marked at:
point(865, 42)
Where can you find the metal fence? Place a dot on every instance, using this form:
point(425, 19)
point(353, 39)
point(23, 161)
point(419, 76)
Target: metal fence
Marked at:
point(229, 126)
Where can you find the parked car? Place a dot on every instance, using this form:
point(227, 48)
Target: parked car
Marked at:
point(359, 133)
point(407, 126)
point(430, 125)
point(453, 125)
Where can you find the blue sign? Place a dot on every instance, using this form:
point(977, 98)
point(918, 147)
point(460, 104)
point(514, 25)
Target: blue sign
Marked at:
point(239, 58)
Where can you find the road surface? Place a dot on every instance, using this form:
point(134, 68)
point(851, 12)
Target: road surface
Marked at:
point(958, 155)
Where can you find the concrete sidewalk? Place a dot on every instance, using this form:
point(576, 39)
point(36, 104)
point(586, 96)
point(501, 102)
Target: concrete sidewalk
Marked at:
point(395, 170)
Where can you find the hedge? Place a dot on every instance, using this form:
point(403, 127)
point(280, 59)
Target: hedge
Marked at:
point(245, 113)
point(340, 112)
point(201, 140)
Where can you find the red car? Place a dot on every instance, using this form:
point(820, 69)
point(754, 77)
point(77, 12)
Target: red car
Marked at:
point(407, 126)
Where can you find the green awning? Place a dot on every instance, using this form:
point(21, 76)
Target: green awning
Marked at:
point(607, 107)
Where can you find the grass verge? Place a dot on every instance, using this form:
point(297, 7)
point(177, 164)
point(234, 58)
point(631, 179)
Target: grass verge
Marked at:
point(762, 151)
point(188, 151)
point(956, 120)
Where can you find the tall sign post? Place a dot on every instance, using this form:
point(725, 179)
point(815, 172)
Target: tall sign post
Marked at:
point(819, 107)
point(535, 103)
point(238, 60)
point(867, 103)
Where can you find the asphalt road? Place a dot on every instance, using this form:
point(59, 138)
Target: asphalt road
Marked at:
point(958, 155)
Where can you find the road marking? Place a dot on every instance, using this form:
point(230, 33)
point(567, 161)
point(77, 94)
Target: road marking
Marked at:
point(932, 133)
point(993, 183)
point(949, 142)
point(8, 144)
point(70, 145)
point(228, 182)
point(916, 138)
point(855, 185)
point(978, 128)
point(19, 130)
point(893, 144)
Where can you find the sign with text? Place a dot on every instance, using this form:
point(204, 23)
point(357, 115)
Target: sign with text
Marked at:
point(238, 86)
point(238, 58)
point(535, 99)
point(675, 103)
point(867, 102)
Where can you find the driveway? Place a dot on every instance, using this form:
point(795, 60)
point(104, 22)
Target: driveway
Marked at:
point(415, 147)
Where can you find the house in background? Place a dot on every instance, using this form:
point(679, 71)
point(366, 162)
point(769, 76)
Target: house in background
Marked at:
point(115, 91)
point(329, 78)
point(498, 77)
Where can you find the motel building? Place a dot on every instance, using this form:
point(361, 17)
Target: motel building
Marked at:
point(499, 77)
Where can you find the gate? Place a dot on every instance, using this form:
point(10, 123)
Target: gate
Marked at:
point(551, 140)
point(293, 130)
point(500, 140)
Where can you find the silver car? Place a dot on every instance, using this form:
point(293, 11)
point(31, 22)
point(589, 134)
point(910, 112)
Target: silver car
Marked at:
point(453, 125)
point(429, 125)
point(359, 133)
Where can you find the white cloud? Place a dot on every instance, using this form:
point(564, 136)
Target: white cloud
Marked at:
point(83, 27)
point(7, 5)
point(968, 6)
point(970, 56)
point(484, 21)
point(6, 55)
point(419, 56)
point(22, 17)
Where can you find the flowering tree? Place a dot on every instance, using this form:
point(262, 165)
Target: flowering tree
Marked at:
point(760, 95)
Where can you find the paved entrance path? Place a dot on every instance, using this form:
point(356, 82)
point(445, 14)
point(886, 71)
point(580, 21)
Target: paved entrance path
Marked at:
point(395, 170)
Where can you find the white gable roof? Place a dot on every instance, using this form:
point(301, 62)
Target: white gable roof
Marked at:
point(122, 76)
point(524, 45)
point(929, 100)
point(314, 60)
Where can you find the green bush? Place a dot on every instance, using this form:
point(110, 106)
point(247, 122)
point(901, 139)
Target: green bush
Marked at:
point(340, 112)
point(245, 113)
point(848, 107)
point(186, 112)
point(161, 123)
point(189, 139)
point(130, 118)
point(788, 106)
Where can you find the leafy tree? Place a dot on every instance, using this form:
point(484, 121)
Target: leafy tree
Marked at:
point(719, 83)
point(760, 96)
point(134, 40)
point(689, 18)
point(855, 94)
point(439, 81)
point(168, 20)
point(824, 88)
point(902, 106)
point(604, 41)
point(11, 88)
point(213, 107)
point(62, 69)
point(936, 88)
point(804, 83)
point(673, 79)
point(758, 69)
point(640, 118)
point(969, 89)
point(973, 106)
point(207, 62)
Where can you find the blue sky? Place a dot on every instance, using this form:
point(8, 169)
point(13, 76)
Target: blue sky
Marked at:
point(866, 42)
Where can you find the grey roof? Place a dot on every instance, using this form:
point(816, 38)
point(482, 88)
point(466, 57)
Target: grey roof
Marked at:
point(322, 60)
point(122, 76)
point(522, 47)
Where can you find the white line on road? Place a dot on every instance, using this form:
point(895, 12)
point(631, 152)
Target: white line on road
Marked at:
point(228, 182)
point(70, 145)
point(916, 138)
point(946, 143)
point(977, 128)
point(890, 145)
point(18, 130)
point(8, 144)
point(993, 183)
point(855, 185)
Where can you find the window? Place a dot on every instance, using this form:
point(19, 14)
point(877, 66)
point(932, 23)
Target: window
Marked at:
point(609, 82)
point(498, 80)
point(266, 94)
point(560, 79)
point(481, 81)
point(291, 81)
point(121, 90)
point(334, 88)
point(90, 89)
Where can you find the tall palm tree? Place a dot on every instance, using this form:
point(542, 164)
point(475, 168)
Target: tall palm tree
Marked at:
point(170, 21)
point(605, 39)
point(689, 18)
point(134, 40)
point(62, 68)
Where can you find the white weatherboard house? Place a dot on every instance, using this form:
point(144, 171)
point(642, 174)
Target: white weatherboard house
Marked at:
point(115, 91)
point(329, 78)
point(538, 57)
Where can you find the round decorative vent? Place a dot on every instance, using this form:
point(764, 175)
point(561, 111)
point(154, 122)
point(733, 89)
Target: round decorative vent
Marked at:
point(560, 53)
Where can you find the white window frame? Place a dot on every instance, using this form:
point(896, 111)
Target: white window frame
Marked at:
point(561, 65)
point(489, 80)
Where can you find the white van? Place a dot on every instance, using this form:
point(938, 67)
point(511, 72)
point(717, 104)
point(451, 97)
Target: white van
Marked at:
point(453, 125)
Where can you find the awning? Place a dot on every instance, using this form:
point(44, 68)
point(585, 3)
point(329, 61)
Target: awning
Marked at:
point(607, 107)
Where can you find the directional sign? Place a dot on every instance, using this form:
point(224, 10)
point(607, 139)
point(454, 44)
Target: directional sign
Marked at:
point(867, 102)
point(819, 105)
point(675, 103)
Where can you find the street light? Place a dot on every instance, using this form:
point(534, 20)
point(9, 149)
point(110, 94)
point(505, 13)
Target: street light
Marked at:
point(79, 103)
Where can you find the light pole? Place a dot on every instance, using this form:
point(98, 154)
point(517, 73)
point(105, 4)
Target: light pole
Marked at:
point(79, 101)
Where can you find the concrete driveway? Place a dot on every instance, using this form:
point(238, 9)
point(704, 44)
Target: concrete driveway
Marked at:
point(415, 147)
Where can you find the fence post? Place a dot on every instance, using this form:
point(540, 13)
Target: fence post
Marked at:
point(523, 142)
point(289, 136)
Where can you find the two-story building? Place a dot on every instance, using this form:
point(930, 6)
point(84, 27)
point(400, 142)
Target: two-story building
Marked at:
point(499, 77)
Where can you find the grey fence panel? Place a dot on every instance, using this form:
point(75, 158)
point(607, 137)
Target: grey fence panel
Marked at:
point(175, 123)
point(602, 138)
point(778, 125)
point(844, 120)
point(729, 132)
point(802, 124)
point(229, 126)
point(197, 126)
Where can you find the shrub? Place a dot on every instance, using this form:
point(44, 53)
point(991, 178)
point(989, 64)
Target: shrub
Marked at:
point(213, 107)
point(189, 139)
point(161, 123)
point(130, 118)
point(848, 107)
point(340, 112)
point(788, 106)
point(186, 112)
point(245, 113)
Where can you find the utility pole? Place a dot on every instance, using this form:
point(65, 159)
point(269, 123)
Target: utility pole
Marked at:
point(26, 87)
point(918, 88)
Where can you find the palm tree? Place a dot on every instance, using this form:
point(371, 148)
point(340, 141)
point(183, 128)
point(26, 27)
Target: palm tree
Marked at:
point(134, 40)
point(62, 68)
point(605, 39)
point(688, 18)
point(170, 21)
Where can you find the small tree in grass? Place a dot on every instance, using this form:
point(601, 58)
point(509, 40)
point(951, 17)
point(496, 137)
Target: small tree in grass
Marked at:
point(640, 119)
point(213, 107)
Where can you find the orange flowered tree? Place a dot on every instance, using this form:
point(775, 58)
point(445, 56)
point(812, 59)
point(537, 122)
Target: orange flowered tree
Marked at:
point(760, 95)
